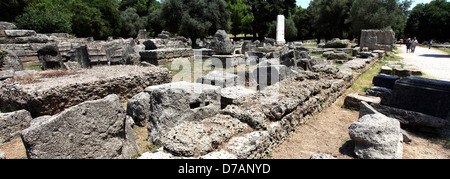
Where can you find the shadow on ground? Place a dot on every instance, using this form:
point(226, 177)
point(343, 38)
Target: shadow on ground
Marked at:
point(347, 149)
point(435, 55)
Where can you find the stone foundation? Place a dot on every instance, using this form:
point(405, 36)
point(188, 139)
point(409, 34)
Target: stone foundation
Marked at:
point(266, 118)
point(162, 56)
point(49, 96)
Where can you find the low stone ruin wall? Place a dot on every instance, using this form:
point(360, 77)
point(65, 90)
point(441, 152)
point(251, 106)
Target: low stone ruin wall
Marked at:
point(41, 94)
point(187, 119)
point(162, 56)
point(249, 127)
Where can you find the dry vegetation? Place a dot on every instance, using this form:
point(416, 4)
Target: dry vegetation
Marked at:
point(36, 78)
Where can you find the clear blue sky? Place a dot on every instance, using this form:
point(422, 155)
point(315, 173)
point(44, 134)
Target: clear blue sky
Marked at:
point(305, 3)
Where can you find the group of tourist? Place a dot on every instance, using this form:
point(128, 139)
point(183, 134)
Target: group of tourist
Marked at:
point(411, 45)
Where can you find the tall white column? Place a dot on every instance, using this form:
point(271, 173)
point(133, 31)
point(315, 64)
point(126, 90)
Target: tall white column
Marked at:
point(280, 29)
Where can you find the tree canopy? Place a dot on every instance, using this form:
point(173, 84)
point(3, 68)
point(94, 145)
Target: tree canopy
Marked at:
point(202, 18)
point(195, 18)
point(430, 21)
point(376, 14)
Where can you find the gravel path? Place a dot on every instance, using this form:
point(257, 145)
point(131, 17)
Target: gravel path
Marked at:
point(432, 62)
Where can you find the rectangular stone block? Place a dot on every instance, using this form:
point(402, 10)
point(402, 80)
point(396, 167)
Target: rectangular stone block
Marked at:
point(173, 103)
point(385, 81)
point(12, 123)
point(91, 130)
point(422, 95)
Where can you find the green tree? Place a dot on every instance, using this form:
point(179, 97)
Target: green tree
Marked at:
point(10, 9)
point(377, 14)
point(241, 16)
point(289, 27)
point(328, 18)
point(195, 18)
point(430, 21)
point(266, 11)
point(88, 21)
point(301, 19)
point(45, 17)
point(97, 18)
point(150, 9)
point(131, 22)
point(143, 7)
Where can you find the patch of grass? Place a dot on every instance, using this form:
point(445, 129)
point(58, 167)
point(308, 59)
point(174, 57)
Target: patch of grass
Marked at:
point(364, 81)
point(33, 67)
point(142, 141)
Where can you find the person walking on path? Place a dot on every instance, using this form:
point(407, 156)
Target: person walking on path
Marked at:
point(433, 63)
point(408, 45)
point(431, 44)
point(414, 43)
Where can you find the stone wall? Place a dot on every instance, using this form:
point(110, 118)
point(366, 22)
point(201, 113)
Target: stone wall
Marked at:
point(47, 96)
point(162, 56)
point(256, 123)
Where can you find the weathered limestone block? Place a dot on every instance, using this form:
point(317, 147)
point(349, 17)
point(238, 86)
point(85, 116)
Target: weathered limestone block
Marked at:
point(11, 62)
point(12, 123)
point(253, 117)
point(94, 129)
point(377, 39)
point(270, 75)
point(230, 95)
point(353, 100)
point(322, 156)
point(138, 108)
point(386, 70)
point(221, 43)
point(19, 33)
point(219, 78)
point(6, 26)
point(50, 58)
point(338, 56)
point(249, 146)
point(96, 52)
point(377, 137)
point(196, 138)
point(337, 43)
point(173, 103)
point(81, 56)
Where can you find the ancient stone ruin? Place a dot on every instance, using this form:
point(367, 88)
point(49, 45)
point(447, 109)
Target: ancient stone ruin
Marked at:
point(377, 39)
point(251, 98)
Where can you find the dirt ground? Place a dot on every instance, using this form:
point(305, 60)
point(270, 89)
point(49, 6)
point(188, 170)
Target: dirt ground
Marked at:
point(327, 133)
